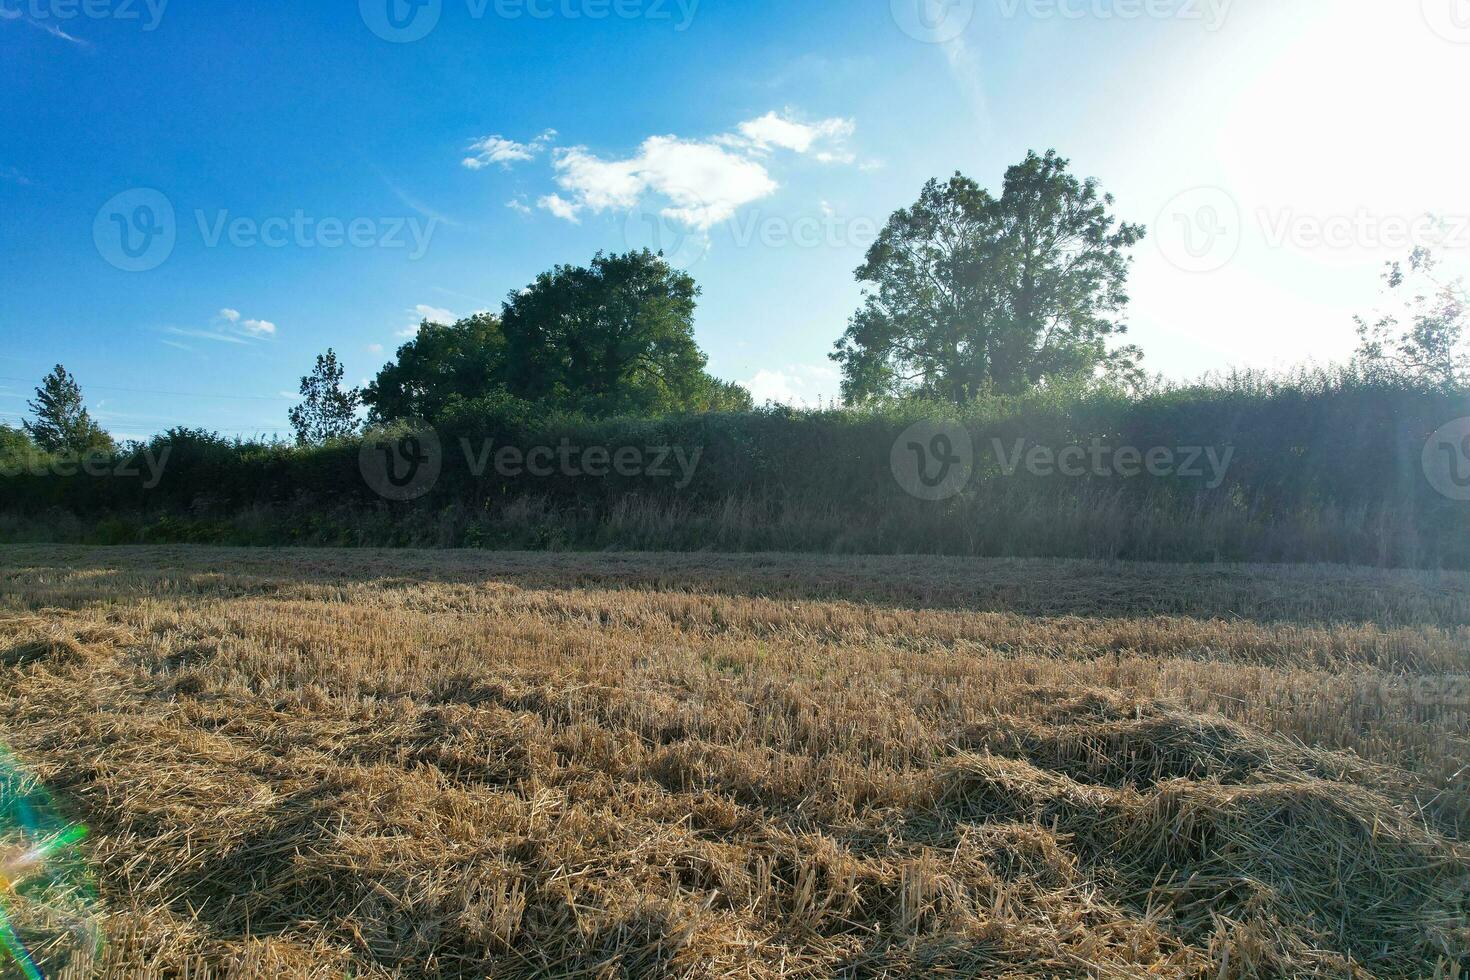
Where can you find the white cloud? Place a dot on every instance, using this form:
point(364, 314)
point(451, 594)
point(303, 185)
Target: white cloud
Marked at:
point(259, 328)
point(231, 315)
point(827, 136)
point(497, 149)
point(560, 207)
point(599, 184)
point(695, 182)
point(518, 206)
point(702, 182)
point(435, 314)
point(422, 312)
point(801, 385)
point(375, 348)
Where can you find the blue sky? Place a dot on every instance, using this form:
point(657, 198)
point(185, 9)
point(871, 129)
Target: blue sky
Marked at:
point(329, 186)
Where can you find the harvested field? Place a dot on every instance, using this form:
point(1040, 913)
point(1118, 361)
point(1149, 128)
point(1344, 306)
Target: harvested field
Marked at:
point(300, 763)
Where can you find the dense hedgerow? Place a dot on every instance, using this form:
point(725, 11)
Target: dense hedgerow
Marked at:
point(1323, 466)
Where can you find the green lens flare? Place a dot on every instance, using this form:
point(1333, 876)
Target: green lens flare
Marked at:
point(49, 911)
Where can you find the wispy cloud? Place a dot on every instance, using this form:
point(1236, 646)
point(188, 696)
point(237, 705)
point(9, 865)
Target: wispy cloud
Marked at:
point(417, 205)
point(964, 67)
point(228, 327)
point(14, 176)
point(490, 150)
point(47, 25)
point(215, 335)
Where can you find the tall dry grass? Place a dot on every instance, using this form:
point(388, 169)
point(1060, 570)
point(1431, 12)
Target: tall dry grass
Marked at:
point(301, 763)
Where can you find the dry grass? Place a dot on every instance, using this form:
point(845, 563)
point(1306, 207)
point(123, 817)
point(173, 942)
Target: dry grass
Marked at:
point(377, 764)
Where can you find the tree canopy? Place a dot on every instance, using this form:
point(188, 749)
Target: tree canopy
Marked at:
point(328, 411)
point(62, 423)
point(968, 292)
point(615, 337)
point(1422, 334)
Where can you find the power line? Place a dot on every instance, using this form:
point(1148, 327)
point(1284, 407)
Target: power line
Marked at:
point(179, 394)
point(21, 417)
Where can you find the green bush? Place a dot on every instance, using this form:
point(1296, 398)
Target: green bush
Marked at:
point(1325, 466)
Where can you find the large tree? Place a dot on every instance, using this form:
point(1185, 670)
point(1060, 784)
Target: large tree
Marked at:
point(327, 411)
point(613, 337)
point(968, 292)
point(62, 423)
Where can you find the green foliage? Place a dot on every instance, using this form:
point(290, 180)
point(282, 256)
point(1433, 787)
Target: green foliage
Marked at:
point(1422, 335)
point(972, 293)
point(615, 337)
point(441, 364)
point(1325, 467)
point(328, 410)
point(61, 423)
point(612, 338)
point(18, 452)
point(722, 396)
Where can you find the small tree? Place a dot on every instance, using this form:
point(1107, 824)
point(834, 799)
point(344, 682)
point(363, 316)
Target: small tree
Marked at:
point(1422, 336)
point(329, 411)
point(61, 423)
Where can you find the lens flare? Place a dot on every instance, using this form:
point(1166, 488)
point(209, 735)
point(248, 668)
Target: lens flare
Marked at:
point(49, 921)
